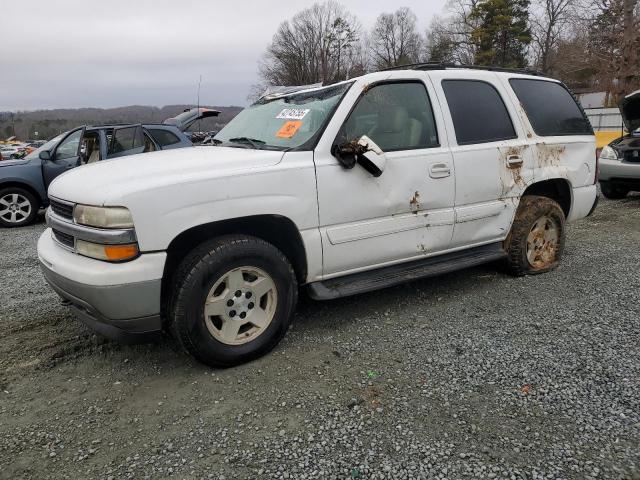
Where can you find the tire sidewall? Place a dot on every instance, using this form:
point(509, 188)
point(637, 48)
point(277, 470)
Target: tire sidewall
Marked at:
point(34, 207)
point(195, 291)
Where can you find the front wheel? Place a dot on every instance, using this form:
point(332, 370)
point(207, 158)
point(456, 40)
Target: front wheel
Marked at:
point(536, 241)
point(232, 300)
point(612, 191)
point(18, 207)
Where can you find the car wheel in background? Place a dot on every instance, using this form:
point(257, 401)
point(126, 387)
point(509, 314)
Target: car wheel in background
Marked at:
point(612, 191)
point(536, 241)
point(18, 207)
point(232, 300)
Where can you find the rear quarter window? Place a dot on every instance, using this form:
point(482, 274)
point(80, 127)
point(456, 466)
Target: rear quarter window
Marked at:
point(478, 112)
point(551, 109)
point(164, 137)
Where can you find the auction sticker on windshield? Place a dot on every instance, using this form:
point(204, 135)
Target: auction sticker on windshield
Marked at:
point(289, 129)
point(293, 113)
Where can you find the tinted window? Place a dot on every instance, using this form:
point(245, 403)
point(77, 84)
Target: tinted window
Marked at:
point(126, 139)
point(164, 137)
point(69, 146)
point(396, 116)
point(478, 112)
point(551, 108)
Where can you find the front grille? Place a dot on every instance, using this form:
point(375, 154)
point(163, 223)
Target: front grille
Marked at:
point(632, 156)
point(65, 210)
point(63, 238)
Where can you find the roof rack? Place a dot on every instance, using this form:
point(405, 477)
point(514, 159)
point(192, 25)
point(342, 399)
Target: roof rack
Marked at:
point(445, 66)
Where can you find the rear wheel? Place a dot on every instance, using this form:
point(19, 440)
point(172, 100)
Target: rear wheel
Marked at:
point(613, 191)
point(18, 207)
point(233, 300)
point(536, 241)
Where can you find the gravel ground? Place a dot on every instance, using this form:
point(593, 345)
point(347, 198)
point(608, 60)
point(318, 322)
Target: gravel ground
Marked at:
point(470, 375)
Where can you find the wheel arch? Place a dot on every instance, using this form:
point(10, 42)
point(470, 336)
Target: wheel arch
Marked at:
point(558, 189)
point(25, 186)
point(278, 230)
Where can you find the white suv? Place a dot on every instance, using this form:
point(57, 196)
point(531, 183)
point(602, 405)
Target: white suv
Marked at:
point(385, 178)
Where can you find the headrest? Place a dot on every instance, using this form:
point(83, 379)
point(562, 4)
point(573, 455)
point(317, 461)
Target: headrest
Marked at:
point(393, 119)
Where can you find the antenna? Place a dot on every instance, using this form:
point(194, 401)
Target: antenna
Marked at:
point(199, 121)
point(199, 83)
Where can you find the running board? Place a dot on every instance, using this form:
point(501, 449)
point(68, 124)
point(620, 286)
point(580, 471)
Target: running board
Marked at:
point(405, 272)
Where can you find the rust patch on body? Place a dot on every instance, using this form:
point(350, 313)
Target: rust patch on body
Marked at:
point(549, 155)
point(512, 174)
point(414, 202)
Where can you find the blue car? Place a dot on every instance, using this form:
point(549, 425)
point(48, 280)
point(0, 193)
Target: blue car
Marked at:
point(24, 182)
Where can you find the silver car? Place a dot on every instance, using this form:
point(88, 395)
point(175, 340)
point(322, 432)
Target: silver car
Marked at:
point(620, 160)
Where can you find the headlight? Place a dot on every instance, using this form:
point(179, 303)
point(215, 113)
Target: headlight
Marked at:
point(608, 153)
point(103, 217)
point(109, 253)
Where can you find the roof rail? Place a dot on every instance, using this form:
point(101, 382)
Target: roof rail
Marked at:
point(445, 66)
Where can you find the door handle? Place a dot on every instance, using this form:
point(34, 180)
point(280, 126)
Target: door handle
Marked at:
point(514, 161)
point(439, 170)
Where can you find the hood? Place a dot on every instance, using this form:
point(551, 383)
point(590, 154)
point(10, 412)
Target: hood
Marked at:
point(630, 110)
point(186, 118)
point(111, 181)
point(13, 161)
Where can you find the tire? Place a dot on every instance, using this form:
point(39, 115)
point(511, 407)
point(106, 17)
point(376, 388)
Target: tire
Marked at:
point(612, 191)
point(215, 272)
point(536, 241)
point(18, 207)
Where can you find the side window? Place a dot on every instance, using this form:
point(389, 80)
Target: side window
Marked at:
point(396, 116)
point(126, 139)
point(478, 112)
point(550, 107)
point(68, 148)
point(164, 137)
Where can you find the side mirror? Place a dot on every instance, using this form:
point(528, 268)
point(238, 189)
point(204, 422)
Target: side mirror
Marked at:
point(45, 155)
point(363, 151)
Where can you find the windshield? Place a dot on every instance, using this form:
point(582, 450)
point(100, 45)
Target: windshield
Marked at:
point(284, 123)
point(47, 146)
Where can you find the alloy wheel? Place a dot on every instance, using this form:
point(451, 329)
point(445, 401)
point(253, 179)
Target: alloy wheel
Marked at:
point(14, 208)
point(241, 305)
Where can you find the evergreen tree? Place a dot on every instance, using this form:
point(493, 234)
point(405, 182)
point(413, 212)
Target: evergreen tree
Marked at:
point(503, 33)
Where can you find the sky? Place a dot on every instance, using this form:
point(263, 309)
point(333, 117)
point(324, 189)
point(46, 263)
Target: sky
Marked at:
point(79, 53)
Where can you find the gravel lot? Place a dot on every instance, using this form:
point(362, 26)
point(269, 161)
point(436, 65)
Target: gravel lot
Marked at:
point(470, 375)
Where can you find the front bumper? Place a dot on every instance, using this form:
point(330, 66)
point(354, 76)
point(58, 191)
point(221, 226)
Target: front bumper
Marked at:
point(619, 170)
point(119, 301)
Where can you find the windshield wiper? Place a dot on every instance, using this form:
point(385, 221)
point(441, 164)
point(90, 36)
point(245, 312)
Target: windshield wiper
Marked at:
point(254, 142)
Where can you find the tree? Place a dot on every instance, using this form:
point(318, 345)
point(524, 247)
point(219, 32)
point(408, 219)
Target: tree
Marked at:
point(449, 38)
point(395, 39)
point(549, 24)
point(503, 34)
point(628, 71)
point(317, 45)
point(612, 47)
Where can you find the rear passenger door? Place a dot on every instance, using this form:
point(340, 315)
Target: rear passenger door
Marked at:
point(127, 140)
point(405, 213)
point(492, 159)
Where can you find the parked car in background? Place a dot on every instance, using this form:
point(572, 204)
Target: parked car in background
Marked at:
point(24, 182)
point(344, 189)
point(8, 152)
point(620, 160)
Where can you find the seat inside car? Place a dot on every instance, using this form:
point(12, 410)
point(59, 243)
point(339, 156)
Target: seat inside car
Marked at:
point(395, 127)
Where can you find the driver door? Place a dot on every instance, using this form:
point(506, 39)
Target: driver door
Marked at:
point(65, 156)
point(407, 212)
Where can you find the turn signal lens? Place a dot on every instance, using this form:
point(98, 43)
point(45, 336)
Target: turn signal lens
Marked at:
point(109, 253)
